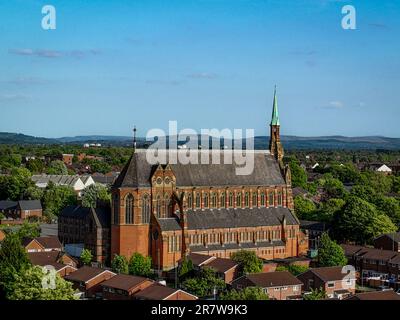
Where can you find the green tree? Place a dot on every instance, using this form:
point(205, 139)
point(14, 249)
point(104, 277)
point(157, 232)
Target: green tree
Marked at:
point(389, 206)
point(36, 166)
point(204, 284)
point(57, 198)
point(28, 286)
point(13, 260)
point(86, 256)
point(119, 264)
point(185, 267)
point(33, 193)
point(57, 167)
point(333, 187)
point(13, 186)
point(248, 261)
point(361, 222)
point(329, 209)
point(249, 293)
point(28, 230)
point(93, 193)
point(304, 208)
point(330, 254)
point(315, 295)
point(139, 265)
point(299, 175)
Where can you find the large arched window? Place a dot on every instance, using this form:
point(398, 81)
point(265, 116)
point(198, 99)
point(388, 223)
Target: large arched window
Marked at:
point(239, 200)
point(158, 206)
point(205, 199)
point(214, 200)
point(116, 209)
point(254, 200)
point(129, 209)
point(146, 209)
point(198, 200)
point(230, 200)
point(246, 200)
point(222, 200)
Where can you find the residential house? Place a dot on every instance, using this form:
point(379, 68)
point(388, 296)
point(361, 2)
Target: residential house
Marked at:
point(157, 291)
point(226, 269)
point(67, 158)
point(22, 209)
point(89, 279)
point(73, 181)
point(42, 244)
point(60, 261)
point(388, 241)
point(123, 286)
point(335, 281)
point(279, 285)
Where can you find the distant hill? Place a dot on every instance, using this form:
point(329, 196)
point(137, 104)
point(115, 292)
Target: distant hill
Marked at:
point(260, 142)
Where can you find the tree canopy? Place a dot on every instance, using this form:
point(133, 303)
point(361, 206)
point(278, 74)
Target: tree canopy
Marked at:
point(248, 261)
point(330, 254)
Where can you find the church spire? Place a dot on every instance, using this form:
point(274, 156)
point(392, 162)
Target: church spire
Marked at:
point(275, 145)
point(275, 115)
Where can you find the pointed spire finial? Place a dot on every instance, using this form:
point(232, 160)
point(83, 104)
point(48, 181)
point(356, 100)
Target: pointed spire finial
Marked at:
point(134, 138)
point(275, 115)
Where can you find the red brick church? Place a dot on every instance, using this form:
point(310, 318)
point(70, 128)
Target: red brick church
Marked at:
point(167, 210)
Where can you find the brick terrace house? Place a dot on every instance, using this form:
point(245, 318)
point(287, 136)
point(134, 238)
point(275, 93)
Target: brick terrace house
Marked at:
point(42, 244)
point(160, 292)
point(88, 280)
point(167, 209)
point(279, 285)
point(22, 209)
point(123, 286)
point(375, 264)
point(332, 280)
point(226, 269)
point(90, 226)
point(388, 241)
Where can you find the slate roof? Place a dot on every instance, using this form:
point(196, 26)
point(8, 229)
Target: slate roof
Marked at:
point(8, 205)
point(124, 282)
point(393, 236)
point(50, 242)
point(313, 225)
point(230, 218)
point(198, 259)
point(43, 258)
point(236, 246)
point(221, 265)
point(30, 205)
point(269, 279)
point(138, 171)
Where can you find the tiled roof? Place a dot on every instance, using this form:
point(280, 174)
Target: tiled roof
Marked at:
point(8, 205)
point(30, 205)
point(43, 258)
point(85, 274)
point(124, 282)
point(138, 171)
point(329, 273)
point(49, 242)
point(198, 259)
point(393, 236)
point(236, 246)
point(155, 292)
point(271, 279)
point(376, 295)
point(221, 265)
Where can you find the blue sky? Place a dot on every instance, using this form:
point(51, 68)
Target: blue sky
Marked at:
point(205, 63)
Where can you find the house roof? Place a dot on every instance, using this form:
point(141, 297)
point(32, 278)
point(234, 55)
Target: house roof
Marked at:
point(43, 258)
point(124, 281)
point(30, 205)
point(236, 246)
point(231, 218)
point(138, 171)
point(393, 236)
point(221, 265)
point(271, 279)
point(350, 249)
point(156, 292)
point(7, 205)
point(376, 295)
point(199, 259)
point(329, 273)
point(49, 242)
point(85, 274)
